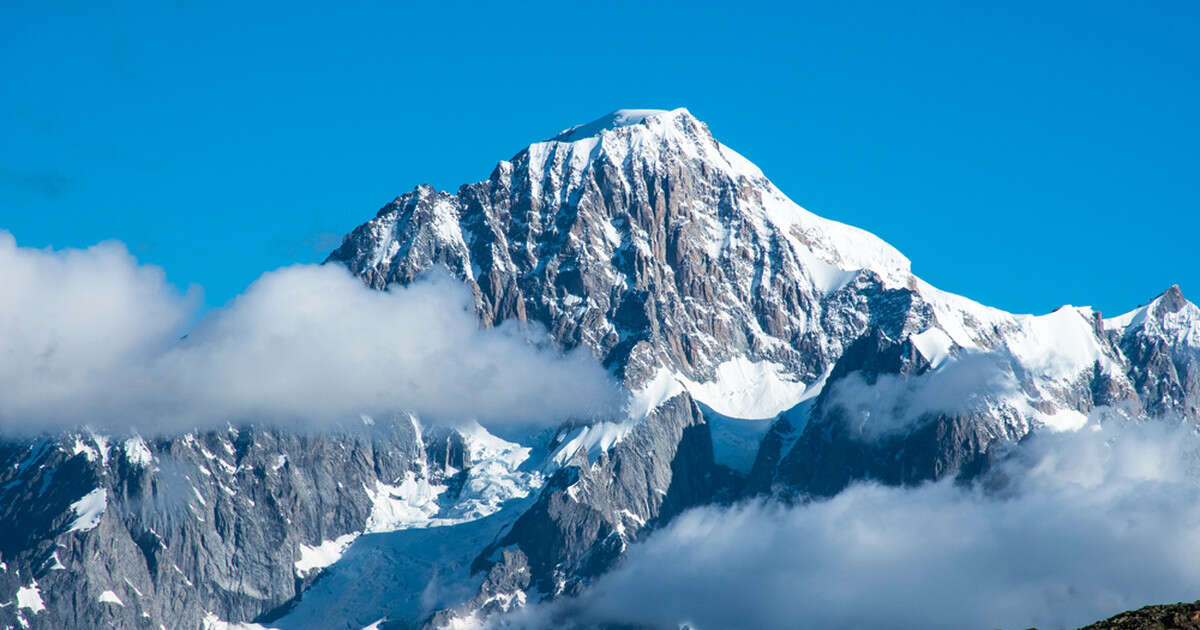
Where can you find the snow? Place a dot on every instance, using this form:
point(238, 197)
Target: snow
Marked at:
point(738, 163)
point(1182, 326)
point(58, 565)
point(213, 622)
point(743, 398)
point(830, 251)
point(1063, 420)
point(826, 278)
point(840, 246)
point(494, 478)
point(182, 575)
point(323, 555)
point(964, 320)
point(593, 439)
point(615, 120)
point(88, 451)
point(1124, 321)
point(1179, 327)
point(110, 597)
point(1058, 345)
point(418, 547)
point(933, 344)
point(741, 388)
point(741, 402)
point(137, 453)
point(411, 503)
point(30, 597)
point(750, 390)
point(399, 575)
point(664, 386)
point(102, 447)
point(88, 510)
point(735, 441)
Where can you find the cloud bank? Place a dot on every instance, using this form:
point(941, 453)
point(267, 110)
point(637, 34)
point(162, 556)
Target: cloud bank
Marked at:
point(1087, 525)
point(92, 337)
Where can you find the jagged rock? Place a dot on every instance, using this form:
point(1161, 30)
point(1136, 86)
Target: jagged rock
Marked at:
point(225, 510)
point(590, 511)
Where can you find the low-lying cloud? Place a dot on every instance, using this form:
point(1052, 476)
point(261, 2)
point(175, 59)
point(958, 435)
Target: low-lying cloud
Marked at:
point(893, 402)
point(1087, 525)
point(91, 337)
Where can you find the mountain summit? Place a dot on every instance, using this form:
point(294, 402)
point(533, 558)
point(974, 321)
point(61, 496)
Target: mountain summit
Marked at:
point(640, 237)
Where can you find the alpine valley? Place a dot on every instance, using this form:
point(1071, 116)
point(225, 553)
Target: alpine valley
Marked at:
point(767, 353)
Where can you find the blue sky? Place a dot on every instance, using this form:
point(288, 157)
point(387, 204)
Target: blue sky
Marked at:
point(1021, 154)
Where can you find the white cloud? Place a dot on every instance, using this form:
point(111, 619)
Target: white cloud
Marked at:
point(91, 337)
point(893, 403)
point(1090, 524)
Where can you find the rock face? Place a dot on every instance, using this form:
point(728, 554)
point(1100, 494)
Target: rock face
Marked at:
point(649, 242)
point(590, 511)
point(138, 533)
point(708, 292)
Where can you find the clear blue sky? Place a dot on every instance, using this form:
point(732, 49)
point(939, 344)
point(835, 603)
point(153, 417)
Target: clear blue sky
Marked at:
point(1022, 154)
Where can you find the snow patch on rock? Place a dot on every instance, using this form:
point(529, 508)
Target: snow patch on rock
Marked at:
point(137, 453)
point(30, 597)
point(89, 510)
point(313, 558)
point(213, 622)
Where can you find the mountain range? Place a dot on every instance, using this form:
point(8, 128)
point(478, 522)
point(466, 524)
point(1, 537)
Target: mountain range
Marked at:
point(765, 352)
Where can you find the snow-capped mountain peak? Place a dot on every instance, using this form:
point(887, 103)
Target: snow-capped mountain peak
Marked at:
point(1169, 316)
point(613, 120)
point(641, 237)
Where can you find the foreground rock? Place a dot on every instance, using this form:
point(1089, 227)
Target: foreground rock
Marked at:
point(1181, 616)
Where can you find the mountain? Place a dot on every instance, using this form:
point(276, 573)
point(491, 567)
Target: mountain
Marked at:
point(768, 351)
